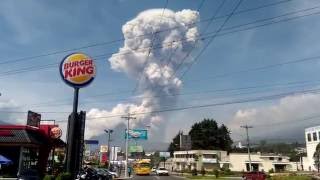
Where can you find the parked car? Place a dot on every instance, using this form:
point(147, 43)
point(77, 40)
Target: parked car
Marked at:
point(153, 169)
point(162, 171)
point(28, 174)
point(112, 173)
point(254, 176)
point(91, 174)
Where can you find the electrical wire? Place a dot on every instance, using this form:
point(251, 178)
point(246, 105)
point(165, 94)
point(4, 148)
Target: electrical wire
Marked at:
point(240, 101)
point(28, 58)
point(202, 38)
point(223, 90)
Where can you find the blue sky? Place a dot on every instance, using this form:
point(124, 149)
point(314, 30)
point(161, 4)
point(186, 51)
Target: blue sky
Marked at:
point(31, 28)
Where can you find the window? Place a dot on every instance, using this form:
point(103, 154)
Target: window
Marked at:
point(309, 137)
point(279, 159)
point(271, 158)
point(314, 136)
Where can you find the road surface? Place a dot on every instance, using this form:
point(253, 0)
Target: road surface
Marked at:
point(155, 177)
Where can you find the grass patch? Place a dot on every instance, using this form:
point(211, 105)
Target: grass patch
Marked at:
point(290, 178)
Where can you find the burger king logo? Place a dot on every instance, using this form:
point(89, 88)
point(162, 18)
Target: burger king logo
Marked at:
point(77, 70)
point(56, 132)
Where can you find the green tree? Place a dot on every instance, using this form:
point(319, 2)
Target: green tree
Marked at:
point(208, 135)
point(175, 144)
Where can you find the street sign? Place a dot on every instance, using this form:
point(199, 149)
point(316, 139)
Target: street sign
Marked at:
point(95, 142)
point(33, 119)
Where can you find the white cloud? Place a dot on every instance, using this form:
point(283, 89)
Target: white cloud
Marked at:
point(279, 118)
point(153, 72)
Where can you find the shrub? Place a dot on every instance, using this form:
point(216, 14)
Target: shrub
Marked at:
point(226, 172)
point(271, 170)
point(203, 171)
point(64, 176)
point(216, 173)
point(48, 177)
point(194, 172)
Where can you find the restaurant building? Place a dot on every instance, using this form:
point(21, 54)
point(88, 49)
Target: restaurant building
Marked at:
point(28, 147)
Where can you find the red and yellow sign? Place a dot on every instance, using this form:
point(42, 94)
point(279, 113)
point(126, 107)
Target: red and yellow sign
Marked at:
point(77, 70)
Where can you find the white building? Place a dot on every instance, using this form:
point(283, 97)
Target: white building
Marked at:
point(260, 162)
point(312, 136)
point(198, 159)
point(211, 159)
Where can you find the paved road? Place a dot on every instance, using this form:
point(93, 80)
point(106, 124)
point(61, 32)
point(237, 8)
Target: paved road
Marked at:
point(154, 177)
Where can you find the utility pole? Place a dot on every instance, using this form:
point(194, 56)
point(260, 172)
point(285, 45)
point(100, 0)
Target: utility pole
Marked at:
point(128, 118)
point(248, 144)
point(109, 131)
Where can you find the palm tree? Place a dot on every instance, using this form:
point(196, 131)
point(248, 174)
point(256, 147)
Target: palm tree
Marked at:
point(316, 157)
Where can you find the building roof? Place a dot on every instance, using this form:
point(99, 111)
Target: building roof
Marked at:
point(199, 152)
point(314, 128)
point(27, 135)
point(21, 136)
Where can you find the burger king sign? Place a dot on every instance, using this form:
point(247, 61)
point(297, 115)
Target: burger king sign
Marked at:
point(77, 70)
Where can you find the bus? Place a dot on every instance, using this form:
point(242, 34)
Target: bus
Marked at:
point(142, 167)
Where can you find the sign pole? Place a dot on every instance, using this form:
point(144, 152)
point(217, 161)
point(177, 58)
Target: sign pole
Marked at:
point(72, 152)
point(75, 100)
point(77, 70)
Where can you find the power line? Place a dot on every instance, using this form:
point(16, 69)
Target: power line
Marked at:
point(240, 101)
point(314, 58)
point(154, 34)
point(221, 34)
point(288, 122)
point(253, 27)
point(223, 90)
point(28, 58)
point(175, 70)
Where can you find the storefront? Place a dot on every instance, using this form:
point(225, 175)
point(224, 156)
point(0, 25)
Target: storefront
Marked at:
point(28, 147)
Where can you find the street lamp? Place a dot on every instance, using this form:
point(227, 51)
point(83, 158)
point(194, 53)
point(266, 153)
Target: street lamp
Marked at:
point(108, 131)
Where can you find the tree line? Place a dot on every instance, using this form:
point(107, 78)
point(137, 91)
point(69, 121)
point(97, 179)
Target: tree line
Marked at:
point(206, 134)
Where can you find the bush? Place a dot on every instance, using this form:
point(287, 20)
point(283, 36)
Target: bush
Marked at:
point(271, 171)
point(48, 177)
point(64, 176)
point(226, 172)
point(203, 171)
point(194, 172)
point(216, 173)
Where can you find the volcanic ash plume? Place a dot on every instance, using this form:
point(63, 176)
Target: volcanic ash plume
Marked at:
point(156, 43)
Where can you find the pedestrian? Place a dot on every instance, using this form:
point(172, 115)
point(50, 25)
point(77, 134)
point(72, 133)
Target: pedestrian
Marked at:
point(129, 171)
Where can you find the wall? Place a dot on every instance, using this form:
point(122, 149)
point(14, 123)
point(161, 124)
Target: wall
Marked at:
point(311, 146)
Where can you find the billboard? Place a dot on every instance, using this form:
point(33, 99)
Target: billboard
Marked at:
point(164, 154)
point(138, 134)
point(103, 148)
point(133, 149)
point(103, 158)
point(114, 153)
point(33, 119)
